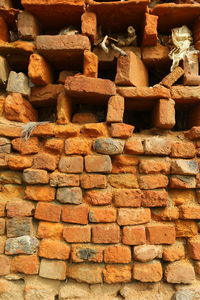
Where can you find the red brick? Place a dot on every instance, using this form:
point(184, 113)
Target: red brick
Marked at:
point(183, 149)
point(90, 64)
point(16, 208)
point(98, 163)
point(185, 228)
point(75, 214)
point(48, 230)
point(117, 254)
point(39, 70)
point(26, 264)
point(131, 71)
point(121, 130)
point(148, 272)
point(35, 176)
point(89, 25)
point(123, 181)
point(153, 198)
point(89, 181)
point(87, 252)
point(4, 265)
point(39, 193)
point(98, 197)
point(172, 77)
point(79, 146)
point(48, 212)
point(115, 111)
point(61, 179)
point(105, 233)
point(102, 215)
point(152, 166)
point(77, 234)
point(164, 114)
point(71, 164)
point(54, 249)
point(88, 273)
point(134, 235)
point(153, 181)
point(124, 164)
point(133, 216)
point(117, 273)
point(45, 161)
point(155, 55)
point(134, 146)
point(161, 233)
point(150, 34)
point(30, 146)
point(54, 145)
point(4, 33)
point(128, 198)
point(189, 212)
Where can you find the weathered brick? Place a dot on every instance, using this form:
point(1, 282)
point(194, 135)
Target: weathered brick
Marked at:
point(4, 74)
point(179, 272)
point(146, 253)
point(28, 26)
point(7, 177)
point(183, 149)
point(108, 146)
point(193, 246)
point(44, 130)
point(48, 230)
point(124, 164)
point(2, 226)
point(89, 25)
point(154, 181)
point(4, 265)
point(123, 181)
point(150, 34)
point(94, 129)
point(71, 164)
point(54, 249)
point(39, 70)
point(4, 33)
point(182, 182)
point(79, 146)
point(77, 234)
point(39, 193)
point(66, 131)
point(133, 216)
point(189, 212)
point(173, 252)
point(98, 163)
point(18, 162)
point(84, 118)
point(89, 273)
point(90, 181)
point(193, 133)
point(35, 176)
point(117, 274)
point(69, 195)
point(161, 233)
point(3, 161)
point(181, 196)
point(157, 145)
point(53, 269)
point(185, 228)
point(128, 198)
point(98, 197)
point(164, 114)
point(184, 167)
point(55, 145)
point(134, 235)
point(5, 145)
point(172, 77)
point(148, 272)
point(152, 166)
point(17, 208)
point(117, 254)
point(3, 208)
point(102, 215)
point(121, 130)
point(26, 264)
point(90, 64)
point(105, 233)
point(21, 245)
point(2, 244)
point(75, 214)
point(61, 179)
point(153, 198)
point(19, 226)
point(45, 161)
point(87, 252)
point(165, 214)
point(48, 212)
point(115, 111)
point(134, 146)
point(30, 146)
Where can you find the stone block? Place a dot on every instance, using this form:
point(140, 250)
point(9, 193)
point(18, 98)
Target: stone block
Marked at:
point(21, 245)
point(18, 83)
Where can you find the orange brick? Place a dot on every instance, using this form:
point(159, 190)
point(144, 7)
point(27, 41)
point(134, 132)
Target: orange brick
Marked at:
point(121, 130)
point(17, 208)
point(23, 146)
point(66, 131)
point(148, 272)
point(128, 197)
point(26, 264)
point(98, 163)
point(193, 247)
point(165, 214)
point(102, 215)
point(123, 181)
point(181, 196)
point(77, 215)
point(193, 133)
point(153, 181)
point(90, 64)
point(64, 109)
point(39, 70)
point(77, 234)
point(87, 252)
point(133, 146)
point(88, 273)
point(185, 228)
point(184, 150)
point(161, 233)
point(54, 145)
point(117, 254)
point(115, 111)
point(133, 216)
point(150, 34)
point(61, 179)
point(117, 273)
point(173, 252)
point(18, 162)
point(182, 182)
point(40, 193)
point(153, 198)
point(4, 265)
point(2, 226)
point(49, 230)
point(105, 233)
point(189, 212)
point(45, 161)
point(54, 249)
point(153, 166)
point(71, 164)
point(48, 212)
point(172, 77)
point(3, 208)
point(89, 181)
point(98, 197)
point(79, 146)
point(89, 25)
point(134, 235)
point(94, 129)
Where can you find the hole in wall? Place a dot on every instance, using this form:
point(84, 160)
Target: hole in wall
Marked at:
point(140, 119)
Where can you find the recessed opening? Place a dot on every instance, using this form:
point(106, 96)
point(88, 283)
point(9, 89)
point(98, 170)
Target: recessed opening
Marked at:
point(47, 113)
point(157, 73)
point(182, 119)
point(87, 113)
point(140, 119)
point(108, 70)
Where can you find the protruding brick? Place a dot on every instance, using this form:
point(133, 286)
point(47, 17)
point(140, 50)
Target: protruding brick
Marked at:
point(155, 55)
point(98, 197)
point(148, 272)
point(38, 70)
point(48, 230)
point(90, 181)
point(150, 34)
point(18, 83)
point(128, 198)
point(153, 181)
point(121, 130)
point(90, 64)
point(172, 77)
point(48, 212)
point(108, 146)
point(173, 252)
point(185, 228)
point(164, 114)
point(89, 25)
point(153, 198)
point(40, 193)
point(79, 146)
point(26, 264)
point(117, 254)
point(102, 215)
point(61, 179)
point(87, 252)
point(117, 274)
point(131, 71)
point(75, 214)
point(105, 234)
point(161, 233)
point(30, 146)
point(183, 150)
point(134, 235)
point(64, 109)
point(123, 181)
point(157, 145)
point(179, 272)
point(69, 195)
point(19, 226)
point(133, 216)
point(17, 208)
point(54, 249)
point(34, 176)
point(147, 252)
point(115, 111)
point(94, 130)
point(28, 27)
point(53, 269)
point(98, 163)
point(77, 234)
point(71, 164)
point(182, 182)
point(89, 273)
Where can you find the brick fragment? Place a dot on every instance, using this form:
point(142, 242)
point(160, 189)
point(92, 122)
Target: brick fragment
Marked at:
point(21, 245)
point(164, 114)
point(26, 264)
point(89, 181)
point(133, 216)
point(87, 252)
point(133, 146)
point(39, 70)
point(102, 215)
point(123, 181)
point(18, 83)
point(108, 146)
point(79, 146)
point(39, 193)
point(61, 179)
point(90, 64)
point(182, 182)
point(172, 77)
point(89, 25)
point(148, 272)
point(128, 198)
point(64, 109)
point(16, 208)
point(153, 181)
point(117, 274)
point(134, 235)
point(150, 34)
point(4, 265)
point(117, 254)
point(88, 273)
point(28, 26)
point(69, 195)
point(48, 212)
point(98, 163)
point(77, 234)
point(30, 146)
point(115, 111)
point(105, 233)
point(185, 228)
point(54, 145)
point(19, 162)
point(121, 130)
point(173, 252)
point(179, 272)
point(19, 226)
point(47, 230)
point(161, 233)
point(53, 269)
point(146, 253)
point(75, 214)
point(54, 249)
point(131, 71)
point(71, 164)
point(154, 198)
point(4, 34)
point(152, 166)
point(34, 176)
point(98, 197)
point(183, 150)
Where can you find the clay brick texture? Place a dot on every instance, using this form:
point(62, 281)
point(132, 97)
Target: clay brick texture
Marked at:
point(99, 149)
